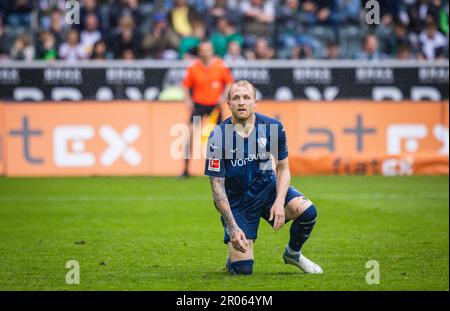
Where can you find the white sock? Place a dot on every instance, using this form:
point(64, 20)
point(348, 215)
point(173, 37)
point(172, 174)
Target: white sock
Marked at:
point(291, 251)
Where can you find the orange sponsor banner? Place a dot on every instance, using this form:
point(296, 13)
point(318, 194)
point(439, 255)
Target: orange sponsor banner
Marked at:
point(364, 137)
point(370, 138)
point(148, 138)
point(366, 165)
point(2, 140)
point(371, 128)
point(78, 139)
point(168, 120)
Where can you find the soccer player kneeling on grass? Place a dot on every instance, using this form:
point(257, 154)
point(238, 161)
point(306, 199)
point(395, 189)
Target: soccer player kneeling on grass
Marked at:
point(240, 155)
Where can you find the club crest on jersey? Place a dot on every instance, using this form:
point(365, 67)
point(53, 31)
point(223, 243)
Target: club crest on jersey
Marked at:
point(262, 141)
point(214, 165)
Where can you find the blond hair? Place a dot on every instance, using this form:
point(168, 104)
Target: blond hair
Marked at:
point(242, 83)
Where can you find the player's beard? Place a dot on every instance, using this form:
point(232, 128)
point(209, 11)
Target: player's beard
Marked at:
point(243, 120)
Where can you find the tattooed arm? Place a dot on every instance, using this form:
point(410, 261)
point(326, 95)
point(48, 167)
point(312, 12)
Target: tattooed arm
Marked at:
point(237, 236)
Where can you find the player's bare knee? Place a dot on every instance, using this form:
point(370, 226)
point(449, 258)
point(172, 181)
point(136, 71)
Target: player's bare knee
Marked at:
point(304, 203)
point(298, 206)
point(236, 255)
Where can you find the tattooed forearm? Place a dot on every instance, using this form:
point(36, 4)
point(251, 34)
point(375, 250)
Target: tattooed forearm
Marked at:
point(221, 202)
point(218, 189)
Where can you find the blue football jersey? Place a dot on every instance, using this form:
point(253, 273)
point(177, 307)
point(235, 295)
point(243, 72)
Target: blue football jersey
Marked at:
point(246, 163)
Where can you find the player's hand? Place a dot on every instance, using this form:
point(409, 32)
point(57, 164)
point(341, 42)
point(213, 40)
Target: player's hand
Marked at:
point(277, 214)
point(238, 240)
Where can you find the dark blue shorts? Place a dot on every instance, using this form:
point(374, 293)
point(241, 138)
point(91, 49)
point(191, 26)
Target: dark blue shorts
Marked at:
point(248, 214)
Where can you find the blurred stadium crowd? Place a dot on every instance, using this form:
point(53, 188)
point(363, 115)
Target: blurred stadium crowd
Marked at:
point(239, 29)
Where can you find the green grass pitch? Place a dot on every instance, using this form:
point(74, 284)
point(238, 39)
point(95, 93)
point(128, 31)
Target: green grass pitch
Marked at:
point(149, 233)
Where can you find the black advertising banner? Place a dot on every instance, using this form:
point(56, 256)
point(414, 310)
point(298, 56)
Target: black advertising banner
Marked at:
point(275, 81)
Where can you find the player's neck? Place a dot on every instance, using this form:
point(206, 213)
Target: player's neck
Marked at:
point(206, 62)
point(247, 125)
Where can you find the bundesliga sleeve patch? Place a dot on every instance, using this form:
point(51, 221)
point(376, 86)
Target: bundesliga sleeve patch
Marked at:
point(214, 165)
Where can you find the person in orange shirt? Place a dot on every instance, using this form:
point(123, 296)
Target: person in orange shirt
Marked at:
point(206, 86)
